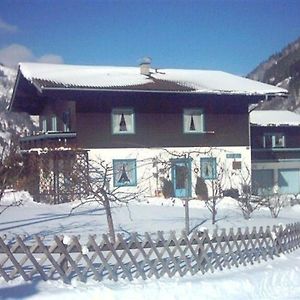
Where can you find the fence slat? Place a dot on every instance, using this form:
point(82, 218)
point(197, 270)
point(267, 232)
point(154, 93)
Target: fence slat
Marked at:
point(159, 258)
point(139, 270)
point(103, 259)
point(64, 251)
point(115, 254)
point(13, 260)
point(171, 253)
point(32, 259)
point(151, 264)
point(88, 262)
point(25, 257)
point(52, 260)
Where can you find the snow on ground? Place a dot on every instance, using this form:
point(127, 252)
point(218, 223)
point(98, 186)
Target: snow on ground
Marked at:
point(274, 279)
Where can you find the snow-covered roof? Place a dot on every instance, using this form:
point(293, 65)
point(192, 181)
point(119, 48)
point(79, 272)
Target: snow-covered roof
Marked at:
point(48, 76)
point(274, 118)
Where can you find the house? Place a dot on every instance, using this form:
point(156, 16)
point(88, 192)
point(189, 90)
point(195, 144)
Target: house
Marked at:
point(275, 141)
point(147, 123)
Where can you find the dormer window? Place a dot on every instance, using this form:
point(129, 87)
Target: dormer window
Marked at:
point(123, 121)
point(193, 121)
point(274, 140)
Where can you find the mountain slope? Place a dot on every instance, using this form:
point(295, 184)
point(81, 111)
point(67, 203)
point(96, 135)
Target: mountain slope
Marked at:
point(11, 124)
point(282, 69)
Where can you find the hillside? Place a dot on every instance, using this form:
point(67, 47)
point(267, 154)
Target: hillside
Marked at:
point(282, 69)
point(10, 123)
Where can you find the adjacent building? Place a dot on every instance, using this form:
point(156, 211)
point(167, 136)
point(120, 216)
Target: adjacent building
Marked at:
point(275, 141)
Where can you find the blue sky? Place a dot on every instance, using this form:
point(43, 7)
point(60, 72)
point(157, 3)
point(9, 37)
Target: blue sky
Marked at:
point(232, 35)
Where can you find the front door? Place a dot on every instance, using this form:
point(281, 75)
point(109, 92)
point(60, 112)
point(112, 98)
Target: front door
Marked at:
point(181, 177)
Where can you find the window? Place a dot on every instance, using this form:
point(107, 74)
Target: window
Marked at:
point(53, 123)
point(66, 121)
point(193, 121)
point(124, 172)
point(274, 140)
point(123, 121)
point(208, 167)
point(44, 125)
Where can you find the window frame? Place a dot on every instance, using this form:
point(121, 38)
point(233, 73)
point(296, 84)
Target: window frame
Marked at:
point(66, 120)
point(187, 112)
point(54, 128)
point(273, 140)
point(44, 125)
point(211, 160)
point(119, 111)
point(115, 179)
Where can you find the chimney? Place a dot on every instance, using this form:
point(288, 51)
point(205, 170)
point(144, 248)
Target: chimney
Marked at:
point(145, 66)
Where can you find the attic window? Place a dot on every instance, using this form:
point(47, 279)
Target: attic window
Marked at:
point(123, 121)
point(193, 121)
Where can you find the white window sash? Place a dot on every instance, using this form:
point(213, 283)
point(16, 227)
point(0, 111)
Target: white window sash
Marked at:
point(53, 123)
point(272, 140)
point(128, 116)
point(197, 118)
point(44, 125)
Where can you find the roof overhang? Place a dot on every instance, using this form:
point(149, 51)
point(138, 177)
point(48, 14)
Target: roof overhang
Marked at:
point(35, 82)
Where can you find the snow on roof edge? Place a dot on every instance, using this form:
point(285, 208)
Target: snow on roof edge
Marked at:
point(105, 77)
point(274, 118)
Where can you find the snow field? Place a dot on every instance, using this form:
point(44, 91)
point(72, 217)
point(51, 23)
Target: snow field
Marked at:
point(272, 279)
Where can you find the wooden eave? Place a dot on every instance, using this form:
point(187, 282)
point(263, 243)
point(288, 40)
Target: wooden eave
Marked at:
point(30, 95)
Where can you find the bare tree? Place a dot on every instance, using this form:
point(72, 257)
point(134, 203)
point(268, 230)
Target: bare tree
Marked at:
point(217, 186)
point(11, 166)
point(275, 202)
point(98, 189)
point(212, 202)
point(247, 202)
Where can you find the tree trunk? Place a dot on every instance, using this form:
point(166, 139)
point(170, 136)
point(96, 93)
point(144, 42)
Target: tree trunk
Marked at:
point(214, 211)
point(110, 223)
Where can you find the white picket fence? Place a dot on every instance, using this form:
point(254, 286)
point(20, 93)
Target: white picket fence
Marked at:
point(163, 255)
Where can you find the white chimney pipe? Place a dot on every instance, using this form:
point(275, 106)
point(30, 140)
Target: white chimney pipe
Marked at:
point(145, 66)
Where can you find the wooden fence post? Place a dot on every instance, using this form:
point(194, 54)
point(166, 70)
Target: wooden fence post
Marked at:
point(187, 216)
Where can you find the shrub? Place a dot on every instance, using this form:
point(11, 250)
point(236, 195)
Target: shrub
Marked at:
point(167, 188)
point(233, 193)
point(201, 189)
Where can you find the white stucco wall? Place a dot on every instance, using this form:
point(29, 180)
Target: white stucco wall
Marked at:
point(149, 185)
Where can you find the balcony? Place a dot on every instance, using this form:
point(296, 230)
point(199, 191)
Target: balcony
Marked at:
point(275, 154)
point(49, 139)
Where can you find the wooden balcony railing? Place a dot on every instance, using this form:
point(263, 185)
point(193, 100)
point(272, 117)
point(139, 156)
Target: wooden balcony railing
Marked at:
point(48, 139)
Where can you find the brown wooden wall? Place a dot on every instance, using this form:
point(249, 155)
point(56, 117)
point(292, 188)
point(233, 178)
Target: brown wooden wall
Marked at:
point(162, 130)
point(292, 135)
point(158, 118)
